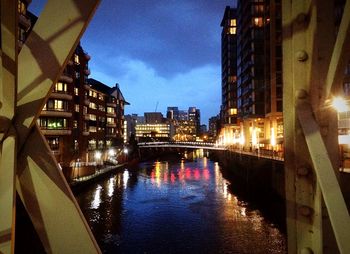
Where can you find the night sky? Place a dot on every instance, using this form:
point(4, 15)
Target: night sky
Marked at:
point(161, 52)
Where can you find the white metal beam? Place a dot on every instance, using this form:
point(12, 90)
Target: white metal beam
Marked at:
point(49, 201)
point(326, 177)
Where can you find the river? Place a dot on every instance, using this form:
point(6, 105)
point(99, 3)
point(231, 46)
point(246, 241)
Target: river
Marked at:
point(176, 206)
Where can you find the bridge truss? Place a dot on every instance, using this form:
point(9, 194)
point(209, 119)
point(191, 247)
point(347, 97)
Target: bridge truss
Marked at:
point(26, 163)
point(314, 61)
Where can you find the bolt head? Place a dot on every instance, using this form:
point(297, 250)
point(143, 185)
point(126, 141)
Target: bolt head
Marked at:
point(301, 94)
point(302, 56)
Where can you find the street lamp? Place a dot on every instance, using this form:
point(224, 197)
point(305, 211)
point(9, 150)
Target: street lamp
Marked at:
point(340, 104)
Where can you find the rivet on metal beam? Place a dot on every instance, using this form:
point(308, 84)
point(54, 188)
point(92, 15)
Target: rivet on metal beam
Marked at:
point(302, 55)
point(301, 94)
point(303, 171)
point(305, 211)
point(306, 250)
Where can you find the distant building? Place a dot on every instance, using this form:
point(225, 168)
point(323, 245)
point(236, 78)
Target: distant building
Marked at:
point(203, 128)
point(172, 113)
point(194, 116)
point(214, 126)
point(152, 132)
point(185, 130)
point(130, 122)
point(154, 117)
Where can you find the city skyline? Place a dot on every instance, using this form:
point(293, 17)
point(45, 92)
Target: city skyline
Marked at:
point(161, 53)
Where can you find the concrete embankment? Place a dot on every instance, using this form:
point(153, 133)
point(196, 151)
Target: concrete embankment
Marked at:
point(82, 182)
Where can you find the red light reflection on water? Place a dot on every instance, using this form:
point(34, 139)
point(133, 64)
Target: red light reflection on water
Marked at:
point(159, 175)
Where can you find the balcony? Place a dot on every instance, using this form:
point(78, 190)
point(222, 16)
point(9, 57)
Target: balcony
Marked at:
point(56, 132)
point(56, 113)
point(111, 104)
point(110, 114)
point(65, 78)
point(111, 125)
point(61, 95)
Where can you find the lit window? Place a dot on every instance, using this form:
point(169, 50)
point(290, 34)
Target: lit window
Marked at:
point(75, 124)
point(92, 117)
point(110, 110)
point(22, 8)
point(232, 30)
point(76, 107)
point(233, 22)
point(232, 111)
point(76, 59)
point(92, 105)
point(92, 129)
point(60, 87)
point(110, 120)
point(258, 22)
point(76, 91)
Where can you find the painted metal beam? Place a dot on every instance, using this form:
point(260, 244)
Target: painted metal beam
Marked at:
point(340, 56)
point(326, 177)
point(44, 55)
point(8, 79)
point(40, 183)
point(49, 201)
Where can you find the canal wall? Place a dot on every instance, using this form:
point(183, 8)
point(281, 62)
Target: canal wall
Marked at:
point(257, 176)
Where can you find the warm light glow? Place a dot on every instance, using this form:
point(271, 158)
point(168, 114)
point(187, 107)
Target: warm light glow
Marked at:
point(125, 150)
point(241, 138)
point(111, 152)
point(340, 104)
point(125, 178)
point(254, 139)
point(344, 139)
point(273, 139)
point(98, 155)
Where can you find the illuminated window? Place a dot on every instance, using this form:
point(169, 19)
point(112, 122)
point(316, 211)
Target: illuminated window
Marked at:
point(53, 143)
point(76, 107)
point(110, 110)
point(232, 30)
point(92, 105)
point(76, 91)
point(53, 123)
point(101, 108)
point(22, 9)
point(92, 129)
point(258, 22)
point(232, 111)
point(75, 124)
point(100, 97)
point(60, 87)
point(110, 120)
point(92, 144)
point(76, 59)
point(92, 117)
point(233, 22)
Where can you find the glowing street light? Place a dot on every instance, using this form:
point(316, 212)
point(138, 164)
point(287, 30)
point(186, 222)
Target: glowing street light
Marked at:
point(98, 155)
point(111, 152)
point(340, 104)
point(125, 150)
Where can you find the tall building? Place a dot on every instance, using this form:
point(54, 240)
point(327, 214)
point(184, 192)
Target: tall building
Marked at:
point(251, 67)
point(194, 115)
point(229, 67)
point(154, 117)
point(273, 70)
point(172, 113)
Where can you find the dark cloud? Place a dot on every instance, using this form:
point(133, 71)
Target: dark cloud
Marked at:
point(165, 51)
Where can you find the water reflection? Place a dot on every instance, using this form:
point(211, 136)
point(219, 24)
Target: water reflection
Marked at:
point(159, 207)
